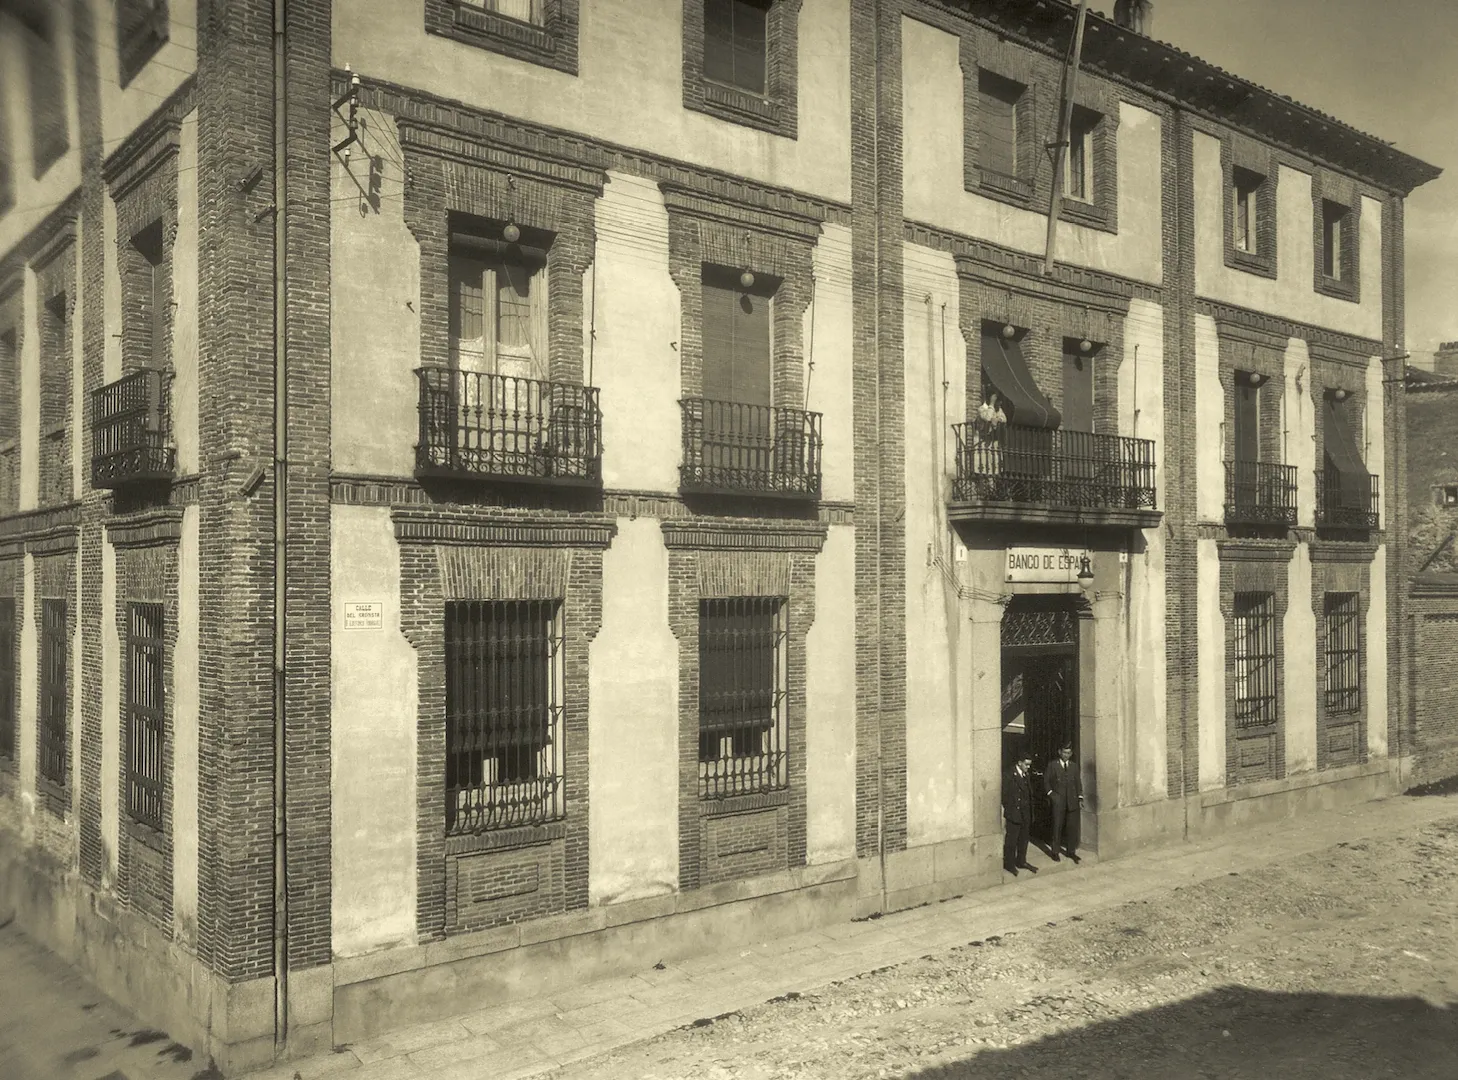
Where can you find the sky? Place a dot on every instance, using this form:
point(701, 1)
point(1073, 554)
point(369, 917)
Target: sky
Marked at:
point(1386, 67)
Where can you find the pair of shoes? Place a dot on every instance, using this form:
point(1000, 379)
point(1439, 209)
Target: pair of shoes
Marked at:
point(1056, 858)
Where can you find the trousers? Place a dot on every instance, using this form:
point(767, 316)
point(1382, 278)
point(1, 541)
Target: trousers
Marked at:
point(1065, 825)
point(1015, 844)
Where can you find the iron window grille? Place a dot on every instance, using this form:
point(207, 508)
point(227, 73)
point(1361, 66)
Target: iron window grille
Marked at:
point(52, 734)
point(145, 717)
point(1343, 653)
point(1255, 659)
point(504, 752)
point(7, 677)
point(742, 676)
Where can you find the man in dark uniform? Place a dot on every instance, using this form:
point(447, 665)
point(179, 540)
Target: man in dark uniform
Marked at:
point(1065, 793)
point(1017, 813)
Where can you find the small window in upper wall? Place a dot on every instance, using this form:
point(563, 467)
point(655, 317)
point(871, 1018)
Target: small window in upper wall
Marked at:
point(998, 123)
point(49, 138)
point(1078, 177)
point(527, 11)
point(1245, 187)
point(1333, 220)
point(141, 29)
point(1447, 495)
point(735, 40)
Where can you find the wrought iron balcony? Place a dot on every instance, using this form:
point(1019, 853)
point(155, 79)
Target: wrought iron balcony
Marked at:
point(500, 427)
point(1007, 472)
point(1260, 493)
point(131, 429)
point(735, 449)
point(1349, 505)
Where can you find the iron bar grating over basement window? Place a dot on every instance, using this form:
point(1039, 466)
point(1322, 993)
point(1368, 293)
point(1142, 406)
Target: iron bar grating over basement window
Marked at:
point(742, 722)
point(8, 638)
point(1343, 654)
point(54, 695)
point(145, 656)
point(1255, 659)
point(504, 754)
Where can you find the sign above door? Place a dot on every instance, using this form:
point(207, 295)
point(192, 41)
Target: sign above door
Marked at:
point(1045, 565)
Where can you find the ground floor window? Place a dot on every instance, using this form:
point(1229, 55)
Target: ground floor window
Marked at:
point(144, 689)
point(1343, 653)
point(54, 696)
point(742, 674)
point(1255, 659)
point(504, 755)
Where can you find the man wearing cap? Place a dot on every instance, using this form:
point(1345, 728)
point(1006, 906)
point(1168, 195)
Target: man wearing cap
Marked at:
point(1065, 794)
point(1017, 813)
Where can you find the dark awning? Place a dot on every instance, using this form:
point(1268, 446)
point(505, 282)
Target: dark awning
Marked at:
point(1345, 459)
point(1003, 366)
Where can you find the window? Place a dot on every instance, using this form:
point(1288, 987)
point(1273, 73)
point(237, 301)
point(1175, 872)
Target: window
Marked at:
point(55, 463)
point(148, 298)
point(737, 336)
point(1343, 653)
point(7, 178)
point(527, 11)
point(504, 754)
point(1244, 195)
point(997, 123)
point(49, 138)
point(1078, 174)
point(141, 29)
point(735, 40)
point(8, 643)
point(9, 423)
point(1333, 222)
point(1247, 416)
point(1255, 659)
point(1447, 495)
point(498, 307)
point(144, 691)
point(742, 722)
point(54, 693)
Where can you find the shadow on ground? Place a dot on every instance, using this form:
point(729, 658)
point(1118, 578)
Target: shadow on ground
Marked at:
point(1437, 787)
point(1235, 1033)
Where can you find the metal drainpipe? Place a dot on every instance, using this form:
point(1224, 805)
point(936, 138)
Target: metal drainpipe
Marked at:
point(280, 527)
point(880, 442)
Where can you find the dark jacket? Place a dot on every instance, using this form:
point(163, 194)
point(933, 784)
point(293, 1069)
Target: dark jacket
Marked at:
point(1062, 783)
point(1017, 797)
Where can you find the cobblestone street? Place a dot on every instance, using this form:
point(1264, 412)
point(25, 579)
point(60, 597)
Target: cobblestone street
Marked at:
point(1342, 963)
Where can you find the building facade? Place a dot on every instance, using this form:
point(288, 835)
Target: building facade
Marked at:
point(1432, 570)
point(674, 478)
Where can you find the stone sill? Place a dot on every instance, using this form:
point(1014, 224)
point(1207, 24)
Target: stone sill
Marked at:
point(1252, 263)
point(1298, 782)
point(1337, 288)
point(377, 965)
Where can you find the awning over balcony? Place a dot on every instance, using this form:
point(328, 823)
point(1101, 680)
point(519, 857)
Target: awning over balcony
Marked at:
point(1353, 483)
point(1004, 367)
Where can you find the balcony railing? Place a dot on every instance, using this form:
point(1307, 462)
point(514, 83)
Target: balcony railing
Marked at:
point(1260, 493)
point(131, 429)
point(501, 427)
point(1349, 505)
point(1061, 470)
point(735, 449)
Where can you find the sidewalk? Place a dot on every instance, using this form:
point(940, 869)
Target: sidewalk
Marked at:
point(55, 1026)
point(533, 1037)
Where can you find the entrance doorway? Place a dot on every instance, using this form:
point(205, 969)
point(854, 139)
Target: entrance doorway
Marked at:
point(1039, 690)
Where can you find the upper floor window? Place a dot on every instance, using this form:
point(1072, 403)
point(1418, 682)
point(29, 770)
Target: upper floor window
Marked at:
point(7, 177)
point(1246, 440)
point(145, 290)
point(141, 29)
point(738, 338)
point(997, 124)
point(735, 38)
point(49, 138)
point(1246, 186)
point(1078, 177)
point(1336, 236)
point(527, 11)
point(498, 307)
